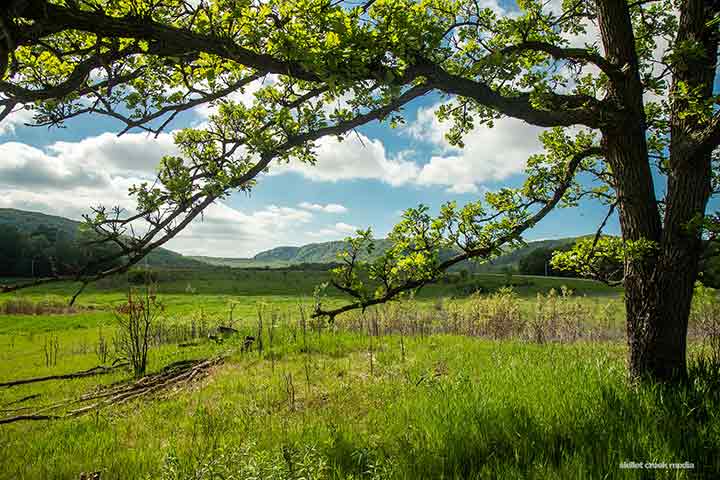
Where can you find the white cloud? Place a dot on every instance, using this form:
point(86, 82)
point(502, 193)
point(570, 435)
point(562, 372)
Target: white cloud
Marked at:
point(71, 202)
point(89, 162)
point(68, 178)
point(23, 165)
point(220, 231)
point(490, 154)
point(344, 227)
point(16, 118)
point(328, 208)
point(135, 152)
point(356, 157)
point(338, 231)
point(229, 232)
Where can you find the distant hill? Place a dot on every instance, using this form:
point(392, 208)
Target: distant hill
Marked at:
point(326, 252)
point(30, 222)
point(283, 257)
point(512, 259)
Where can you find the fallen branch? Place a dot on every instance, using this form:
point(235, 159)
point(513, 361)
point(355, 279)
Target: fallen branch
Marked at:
point(174, 375)
point(28, 417)
point(99, 370)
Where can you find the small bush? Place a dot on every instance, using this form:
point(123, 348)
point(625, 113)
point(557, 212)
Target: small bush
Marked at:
point(136, 319)
point(558, 316)
point(496, 316)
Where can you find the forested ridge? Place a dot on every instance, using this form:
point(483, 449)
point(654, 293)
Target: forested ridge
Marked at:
point(34, 244)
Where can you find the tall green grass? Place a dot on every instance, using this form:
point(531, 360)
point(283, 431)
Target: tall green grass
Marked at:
point(456, 407)
point(435, 388)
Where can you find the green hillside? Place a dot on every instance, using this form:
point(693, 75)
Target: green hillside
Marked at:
point(29, 223)
point(511, 260)
point(327, 252)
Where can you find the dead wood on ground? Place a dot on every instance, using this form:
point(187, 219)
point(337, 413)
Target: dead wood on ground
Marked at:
point(173, 377)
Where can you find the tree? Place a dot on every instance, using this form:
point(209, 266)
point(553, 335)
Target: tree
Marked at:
point(12, 244)
point(539, 262)
point(619, 117)
point(710, 266)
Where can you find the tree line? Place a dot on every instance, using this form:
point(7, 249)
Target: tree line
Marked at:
point(48, 251)
point(539, 262)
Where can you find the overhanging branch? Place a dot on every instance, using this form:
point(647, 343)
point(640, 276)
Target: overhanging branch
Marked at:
point(582, 55)
point(441, 268)
point(561, 110)
point(174, 222)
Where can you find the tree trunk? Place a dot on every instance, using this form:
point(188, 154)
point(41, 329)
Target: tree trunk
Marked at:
point(659, 286)
point(659, 293)
point(657, 318)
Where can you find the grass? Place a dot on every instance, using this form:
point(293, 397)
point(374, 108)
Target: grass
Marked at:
point(278, 282)
point(343, 404)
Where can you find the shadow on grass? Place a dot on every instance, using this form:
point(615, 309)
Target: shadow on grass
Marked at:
point(463, 436)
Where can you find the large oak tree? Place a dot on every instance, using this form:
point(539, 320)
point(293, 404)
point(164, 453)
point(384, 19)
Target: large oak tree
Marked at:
point(631, 116)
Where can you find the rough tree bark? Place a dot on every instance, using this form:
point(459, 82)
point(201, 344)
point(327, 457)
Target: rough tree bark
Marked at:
point(658, 287)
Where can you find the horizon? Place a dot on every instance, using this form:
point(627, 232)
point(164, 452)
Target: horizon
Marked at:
point(253, 255)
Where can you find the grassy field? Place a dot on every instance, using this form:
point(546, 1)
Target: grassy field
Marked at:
point(446, 386)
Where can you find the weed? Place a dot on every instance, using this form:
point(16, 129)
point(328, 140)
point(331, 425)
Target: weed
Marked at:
point(136, 319)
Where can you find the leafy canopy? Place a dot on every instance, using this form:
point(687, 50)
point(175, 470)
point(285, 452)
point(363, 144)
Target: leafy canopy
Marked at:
point(321, 67)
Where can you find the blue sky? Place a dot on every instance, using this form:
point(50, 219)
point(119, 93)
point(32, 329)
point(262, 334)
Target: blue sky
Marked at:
point(357, 183)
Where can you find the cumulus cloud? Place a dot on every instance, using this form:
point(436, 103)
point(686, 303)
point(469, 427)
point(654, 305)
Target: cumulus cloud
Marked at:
point(135, 152)
point(490, 154)
point(328, 208)
point(335, 232)
point(356, 157)
point(23, 165)
point(16, 118)
point(227, 231)
point(89, 162)
point(221, 231)
point(71, 202)
point(68, 178)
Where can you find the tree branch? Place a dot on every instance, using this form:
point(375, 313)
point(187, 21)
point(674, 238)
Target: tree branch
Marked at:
point(166, 39)
point(168, 229)
point(485, 251)
point(583, 55)
point(708, 138)
point(562, 110)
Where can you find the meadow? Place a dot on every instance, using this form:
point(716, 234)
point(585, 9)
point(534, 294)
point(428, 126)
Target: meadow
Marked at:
point(503, 383)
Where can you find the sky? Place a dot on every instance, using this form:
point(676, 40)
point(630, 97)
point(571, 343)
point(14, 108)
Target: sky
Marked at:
point(365, 181)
